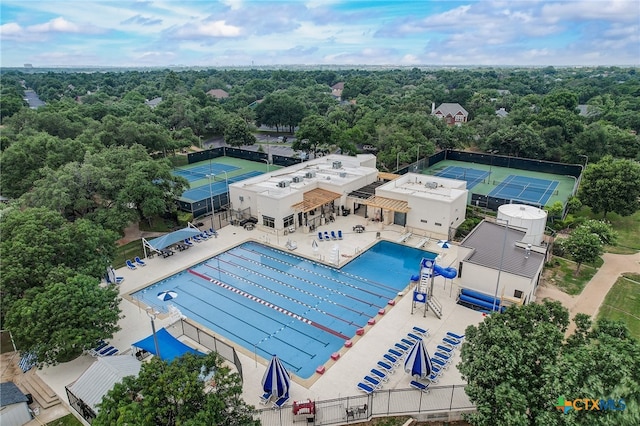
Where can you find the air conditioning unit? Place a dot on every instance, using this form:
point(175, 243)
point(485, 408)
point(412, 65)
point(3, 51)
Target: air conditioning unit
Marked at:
point(432, 185)
point(343, 174)
point(310, 175)
point(337, 164)
point(283, 184)
point(297, 179)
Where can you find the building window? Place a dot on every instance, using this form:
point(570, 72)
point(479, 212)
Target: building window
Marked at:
point(269, 222)
point(517, 294)
point(288, 221)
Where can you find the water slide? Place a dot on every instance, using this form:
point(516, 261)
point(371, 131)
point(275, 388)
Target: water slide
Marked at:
point(445, 272)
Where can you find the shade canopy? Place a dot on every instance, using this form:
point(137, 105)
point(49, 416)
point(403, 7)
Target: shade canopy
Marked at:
point(167, 295)
point(417, 363)
point(171, 238)
point(170, 347)
point(276, 379)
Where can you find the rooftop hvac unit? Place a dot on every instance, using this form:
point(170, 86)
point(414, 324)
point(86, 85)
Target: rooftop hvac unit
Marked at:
point(337, 164)
point(283, 184)
point(310, 175)
point(432, 185)
point(343, 174)
point(297, 179)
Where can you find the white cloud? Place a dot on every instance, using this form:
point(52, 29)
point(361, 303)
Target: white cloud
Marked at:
point(207, 29)
point(57, 25)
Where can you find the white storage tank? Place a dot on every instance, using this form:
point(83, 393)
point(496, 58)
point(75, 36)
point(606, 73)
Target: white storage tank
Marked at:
point(533, 219)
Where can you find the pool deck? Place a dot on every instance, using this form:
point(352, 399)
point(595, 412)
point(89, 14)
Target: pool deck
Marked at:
point(341, 376)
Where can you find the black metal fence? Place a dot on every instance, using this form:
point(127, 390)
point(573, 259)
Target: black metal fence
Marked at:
point(80, 406)
point(444, 403)
point(209, 341)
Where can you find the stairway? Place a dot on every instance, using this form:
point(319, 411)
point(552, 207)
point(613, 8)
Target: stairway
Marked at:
point(435, 306)
point(42, 394)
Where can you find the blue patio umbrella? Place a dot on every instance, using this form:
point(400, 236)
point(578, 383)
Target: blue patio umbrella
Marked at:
point(167, 295)
point(417, 363)
point(276, 379)
point(444, 244)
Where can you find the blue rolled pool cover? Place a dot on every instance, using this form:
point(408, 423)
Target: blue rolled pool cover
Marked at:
point(478, 295)
point(478, 302)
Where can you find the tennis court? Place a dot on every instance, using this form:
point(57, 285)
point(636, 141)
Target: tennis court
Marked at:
point(472, 176)
point(218, 187)
point(533, 190)
point(196, 173)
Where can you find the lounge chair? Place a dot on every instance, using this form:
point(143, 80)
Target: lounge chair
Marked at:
point(266, 398)
point(440, 362)
point(320, 236)
point(280, 402)
point(396, 353)
point(213, 232)
point(139, 261)
point(422, 331)
point(373, 382)
point(203, 235)
point(415, 336)
point(130, 265)
point(112, 352)
point(402, 347)
point(101, 345)
point(408, 342)
point(433, 378)
point(339, 234)
point(386, 366)
point(365, 388)
point(450, 342)
point(105, 350)
point(392, 359)
point(326, 236)
point(333, 235)
point(196, 238)
point(187, 242)
point(444, 357)
point(379, 375)
point(455, 336)
point(420, 386)
point(445, 349)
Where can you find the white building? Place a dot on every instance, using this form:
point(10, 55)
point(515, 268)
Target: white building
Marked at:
point(309, 194)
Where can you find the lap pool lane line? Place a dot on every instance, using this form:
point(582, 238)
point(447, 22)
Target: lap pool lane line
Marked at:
point(270, 305)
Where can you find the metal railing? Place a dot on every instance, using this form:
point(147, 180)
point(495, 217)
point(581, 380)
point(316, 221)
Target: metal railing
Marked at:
point(445, 403)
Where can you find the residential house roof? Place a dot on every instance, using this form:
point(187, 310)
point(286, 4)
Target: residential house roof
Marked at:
point(11, 394)
point(218, 93)
point(100, 377)
point(336, 89)
point(502, 113)
point(486, 242)
point(450, 109)
point(153, 102)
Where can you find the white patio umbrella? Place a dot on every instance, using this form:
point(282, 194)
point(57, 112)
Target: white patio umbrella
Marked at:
point(167, 295)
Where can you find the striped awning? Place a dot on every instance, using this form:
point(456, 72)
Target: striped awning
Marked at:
point(314, 199)
point(387, 204)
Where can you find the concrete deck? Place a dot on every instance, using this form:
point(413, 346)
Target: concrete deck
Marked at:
point(341, 376)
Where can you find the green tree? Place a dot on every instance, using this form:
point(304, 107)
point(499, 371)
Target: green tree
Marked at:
point(238, 133)
point(64, 318)
point(611, 185)
point(518, 363)
point(176, 394)
point(315, 130)
point(602, 229)
point(555, 210)
point(583, 246)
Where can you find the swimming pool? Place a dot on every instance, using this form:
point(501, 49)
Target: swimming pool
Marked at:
point(275, 302)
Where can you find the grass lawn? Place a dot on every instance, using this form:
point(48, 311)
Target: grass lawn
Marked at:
point(627, 228)
point(623, 303)
point(561, 272)
point(68, 420)
point(127, 251)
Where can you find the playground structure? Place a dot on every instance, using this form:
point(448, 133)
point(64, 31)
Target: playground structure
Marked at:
point(423, 292)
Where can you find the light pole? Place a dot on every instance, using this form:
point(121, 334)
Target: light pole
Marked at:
point(504, 244)
point(153, 315)
point(398, 161)
point(418, 153)
point(210, 176)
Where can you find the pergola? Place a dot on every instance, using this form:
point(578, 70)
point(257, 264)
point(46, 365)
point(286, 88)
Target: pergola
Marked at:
point(314, 199)
point(386, 204)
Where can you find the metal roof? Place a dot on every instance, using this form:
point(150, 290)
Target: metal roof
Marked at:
point(100, 377)
point(486, 241)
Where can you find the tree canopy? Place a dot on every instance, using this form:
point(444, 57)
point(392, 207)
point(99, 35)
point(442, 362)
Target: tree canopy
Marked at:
point(518, 364)
point(611, 185)
point(191, 390)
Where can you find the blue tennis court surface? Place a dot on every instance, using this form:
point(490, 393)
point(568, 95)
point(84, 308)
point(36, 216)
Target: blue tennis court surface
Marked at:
point(472, 176)
point(274, 302)
point(533, 190)
point(216, 187)
point(200, 172)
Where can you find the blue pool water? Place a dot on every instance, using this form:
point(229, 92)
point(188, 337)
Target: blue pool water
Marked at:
point(275, 302)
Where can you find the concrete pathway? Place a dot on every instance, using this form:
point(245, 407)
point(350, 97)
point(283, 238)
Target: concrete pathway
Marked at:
point(592, 296)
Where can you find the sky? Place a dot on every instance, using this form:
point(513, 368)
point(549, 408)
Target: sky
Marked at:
point(226, 33)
